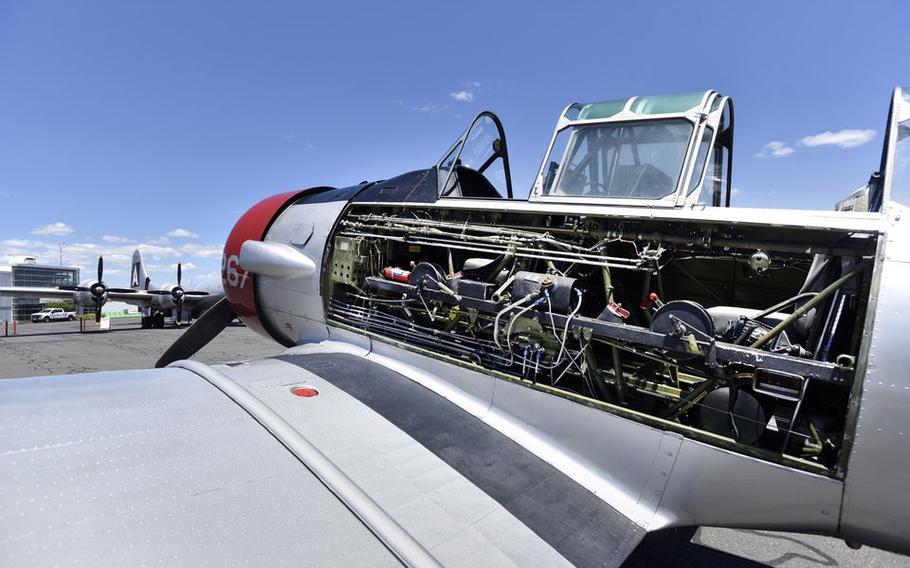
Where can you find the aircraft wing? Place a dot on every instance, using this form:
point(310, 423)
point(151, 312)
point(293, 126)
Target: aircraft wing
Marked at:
point(192, 299)
point(137, 298)
point(200, 300)
point(29, 292)
point(196, 465)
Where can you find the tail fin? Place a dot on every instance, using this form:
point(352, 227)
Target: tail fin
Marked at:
point(139, 278)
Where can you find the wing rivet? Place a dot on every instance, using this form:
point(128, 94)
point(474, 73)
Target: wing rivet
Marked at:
point(304, 391)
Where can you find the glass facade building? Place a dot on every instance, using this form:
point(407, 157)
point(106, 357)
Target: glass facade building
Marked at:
point(40, 276)
point(6, 310)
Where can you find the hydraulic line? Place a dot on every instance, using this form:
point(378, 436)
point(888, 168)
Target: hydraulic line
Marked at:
point(513, 305)
point(565, 330)
point(784, 304)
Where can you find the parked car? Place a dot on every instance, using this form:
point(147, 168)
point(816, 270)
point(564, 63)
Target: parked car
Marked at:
point(53, 314)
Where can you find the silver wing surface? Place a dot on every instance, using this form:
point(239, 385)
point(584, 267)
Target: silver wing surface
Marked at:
point(33, 292)
point(193, 465)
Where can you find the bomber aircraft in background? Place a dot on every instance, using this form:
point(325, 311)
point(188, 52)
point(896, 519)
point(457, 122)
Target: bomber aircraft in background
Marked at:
point(155, 302)
point(476, 380)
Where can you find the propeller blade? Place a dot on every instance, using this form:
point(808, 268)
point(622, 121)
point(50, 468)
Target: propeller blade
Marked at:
point(97, 312)
point(199, 334)
point(100, 267)
point(147, 282)
point(179, 273)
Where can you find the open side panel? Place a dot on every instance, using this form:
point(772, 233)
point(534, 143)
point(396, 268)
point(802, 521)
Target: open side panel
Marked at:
point(742, 336)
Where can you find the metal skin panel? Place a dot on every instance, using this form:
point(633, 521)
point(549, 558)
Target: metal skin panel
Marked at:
point(658, 479)
point(458, 523)
point(616, 467)
point(469, 390)
point(158, 467)
point(876, 499)
point(294, 306)
point(864, 222)
point(711, 486)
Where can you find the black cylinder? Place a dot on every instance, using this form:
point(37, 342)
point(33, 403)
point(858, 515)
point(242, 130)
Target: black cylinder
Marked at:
point(560, 288)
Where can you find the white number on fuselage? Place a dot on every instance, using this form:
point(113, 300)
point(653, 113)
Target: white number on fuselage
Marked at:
point(230, 273)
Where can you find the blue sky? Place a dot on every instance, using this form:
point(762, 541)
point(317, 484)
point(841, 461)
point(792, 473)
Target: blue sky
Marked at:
point(159, 123)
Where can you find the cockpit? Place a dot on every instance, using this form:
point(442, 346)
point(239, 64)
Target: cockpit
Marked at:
point(477, 165)
point(670, 150)
point(666, 150)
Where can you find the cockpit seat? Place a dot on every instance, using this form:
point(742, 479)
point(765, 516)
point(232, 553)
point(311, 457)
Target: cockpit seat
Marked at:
point(821, 273)
point(472, 183)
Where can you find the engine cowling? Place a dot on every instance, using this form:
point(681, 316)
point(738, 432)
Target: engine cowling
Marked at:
point(239, 285)
point(284, 307)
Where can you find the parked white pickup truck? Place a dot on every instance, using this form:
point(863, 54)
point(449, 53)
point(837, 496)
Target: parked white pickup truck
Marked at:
point(53, 314)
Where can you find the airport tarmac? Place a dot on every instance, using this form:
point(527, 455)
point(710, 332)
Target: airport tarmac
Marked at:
point(60, 348)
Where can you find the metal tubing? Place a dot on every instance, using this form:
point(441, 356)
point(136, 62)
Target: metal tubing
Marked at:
point(726, 352)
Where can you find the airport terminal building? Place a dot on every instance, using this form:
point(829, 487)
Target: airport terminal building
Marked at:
point(25, 271)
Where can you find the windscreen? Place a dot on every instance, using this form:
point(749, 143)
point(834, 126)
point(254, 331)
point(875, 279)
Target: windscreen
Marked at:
point(641, 160)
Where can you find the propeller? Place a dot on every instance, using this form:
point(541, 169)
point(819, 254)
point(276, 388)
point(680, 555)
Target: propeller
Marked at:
point(98, 290)
point(197, 336)
point(178, 293)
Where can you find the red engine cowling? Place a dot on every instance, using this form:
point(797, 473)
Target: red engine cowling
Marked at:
point(240, 285)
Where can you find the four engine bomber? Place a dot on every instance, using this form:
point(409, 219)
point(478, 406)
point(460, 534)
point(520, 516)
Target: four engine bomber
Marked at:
point(744, 337)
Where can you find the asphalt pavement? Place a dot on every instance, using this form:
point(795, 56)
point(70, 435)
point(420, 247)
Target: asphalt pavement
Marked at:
point(62, 348)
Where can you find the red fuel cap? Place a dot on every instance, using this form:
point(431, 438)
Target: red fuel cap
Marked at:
point(304, 391)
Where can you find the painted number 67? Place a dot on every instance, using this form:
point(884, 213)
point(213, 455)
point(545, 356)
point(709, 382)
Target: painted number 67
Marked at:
point(229, 269)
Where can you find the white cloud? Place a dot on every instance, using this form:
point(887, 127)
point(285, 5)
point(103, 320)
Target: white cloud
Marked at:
point(202, 251)
point(160, 259)
point(113, 239)
point(464, 96)
point(183, 233)
point(57, 229)
point(432, 107)
point(847, 138)
point(775, 149)
point(736, 192)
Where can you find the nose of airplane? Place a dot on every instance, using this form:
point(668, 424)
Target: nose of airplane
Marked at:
point(238, 283)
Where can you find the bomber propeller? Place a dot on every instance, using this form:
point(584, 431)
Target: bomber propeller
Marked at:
point(98, 290)
point(178, 293)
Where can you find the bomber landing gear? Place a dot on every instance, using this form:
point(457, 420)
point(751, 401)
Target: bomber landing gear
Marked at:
point(155, 321)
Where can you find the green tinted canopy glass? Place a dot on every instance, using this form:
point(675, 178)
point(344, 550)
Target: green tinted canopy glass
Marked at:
point(601, 109)
point(664, 104)
point(658, 104)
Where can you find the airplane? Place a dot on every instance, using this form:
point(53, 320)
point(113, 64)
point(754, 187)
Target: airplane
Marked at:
point(474, 379)
point(154, 301)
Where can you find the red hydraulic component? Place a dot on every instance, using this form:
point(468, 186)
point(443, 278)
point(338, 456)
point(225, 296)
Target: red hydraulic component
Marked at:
point(653, 301)
point(396, 274)
point(617, 310)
